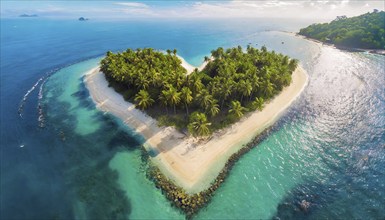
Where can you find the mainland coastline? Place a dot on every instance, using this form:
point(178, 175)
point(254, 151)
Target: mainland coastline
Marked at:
point(354, 34)
point(189, 162)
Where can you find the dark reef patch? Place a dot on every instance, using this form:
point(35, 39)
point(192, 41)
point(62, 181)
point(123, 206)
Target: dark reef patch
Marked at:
point(121, 138)
point(92, 183)
point(304, 200)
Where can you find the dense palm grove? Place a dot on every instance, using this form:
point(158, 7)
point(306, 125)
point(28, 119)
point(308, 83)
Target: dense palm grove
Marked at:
point(233, 82)
point(364, 31)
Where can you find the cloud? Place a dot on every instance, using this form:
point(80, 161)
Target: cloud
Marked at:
point(132, 4)
point(262, 8)
point(51, 9)
point(312, 9)
point(309, 9)
point(133, 9)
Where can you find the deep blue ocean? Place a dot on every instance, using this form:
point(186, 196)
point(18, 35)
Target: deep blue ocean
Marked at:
point(61, 158)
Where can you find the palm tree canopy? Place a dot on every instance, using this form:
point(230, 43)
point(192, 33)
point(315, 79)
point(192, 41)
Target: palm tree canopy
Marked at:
point(258, 103)
point(173, 96)
point(204, 98)
point(199, 125)
point(213, 108)
point(237, 109)
point(143, 99)
point(186, 95)
point(241, 78)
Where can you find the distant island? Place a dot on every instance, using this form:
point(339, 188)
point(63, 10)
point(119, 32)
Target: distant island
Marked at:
point(83, 19)
point(366, 31)
point(232, 84)
point(28, 16)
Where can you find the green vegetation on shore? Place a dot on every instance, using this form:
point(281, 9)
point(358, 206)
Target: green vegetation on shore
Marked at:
point(366, 31)
point(232, 84)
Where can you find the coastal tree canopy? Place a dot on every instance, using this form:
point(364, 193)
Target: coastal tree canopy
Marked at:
point(233, 83)
point(366, 31)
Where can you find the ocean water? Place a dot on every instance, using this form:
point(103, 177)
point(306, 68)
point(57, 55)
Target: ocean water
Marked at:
point(61, 158)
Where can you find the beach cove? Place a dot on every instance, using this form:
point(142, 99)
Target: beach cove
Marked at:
point(192, 163)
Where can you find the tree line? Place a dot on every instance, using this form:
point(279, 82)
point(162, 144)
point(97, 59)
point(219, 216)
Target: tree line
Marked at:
point(232, 83)
point(366, 31)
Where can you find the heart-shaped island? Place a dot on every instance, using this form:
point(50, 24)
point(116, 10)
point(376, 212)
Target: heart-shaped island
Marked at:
point(196, 121)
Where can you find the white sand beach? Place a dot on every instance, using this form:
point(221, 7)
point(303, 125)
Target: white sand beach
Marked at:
point(190, 68)
point(192, 164)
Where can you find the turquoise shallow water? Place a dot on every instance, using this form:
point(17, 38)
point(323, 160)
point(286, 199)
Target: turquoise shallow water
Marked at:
point(328, 149)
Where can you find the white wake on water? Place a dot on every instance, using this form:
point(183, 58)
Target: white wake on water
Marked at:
point(25, 97)
point(42, 80)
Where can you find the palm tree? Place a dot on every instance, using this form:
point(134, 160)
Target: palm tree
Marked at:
point(220, 52)
point(143, 99)
point(245, 88)
point(156, 78)
point(239, 49)
point(197, 84)
point(149, 51)
point(255, 84)
point(142, 82)
point(226, 90)
point(293, 64)
point(174, 52)
point(285, 60)
point(163, 99)
point(178, 79)
point(267, 88)
point(258, 103)
point(213, 108)
point(199, 125)
point(286, 79)
point(207, 59)
point(186, 96)
point(173, 97)
point(249, 49)
point(264, 49)
point(204, 98)
point(237, 109)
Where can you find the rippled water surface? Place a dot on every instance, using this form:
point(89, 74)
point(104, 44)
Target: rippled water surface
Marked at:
point(62, 158)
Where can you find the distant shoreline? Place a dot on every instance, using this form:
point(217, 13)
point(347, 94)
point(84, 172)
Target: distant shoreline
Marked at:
point(191, 163)
point(350, 49)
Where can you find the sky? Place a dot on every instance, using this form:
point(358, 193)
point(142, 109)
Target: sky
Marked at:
point(310, 9)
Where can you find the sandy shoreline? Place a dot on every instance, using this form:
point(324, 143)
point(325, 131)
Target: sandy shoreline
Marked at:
point(191, 164)
point(190, 68)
